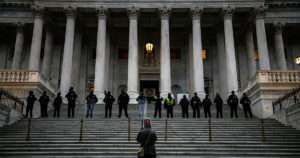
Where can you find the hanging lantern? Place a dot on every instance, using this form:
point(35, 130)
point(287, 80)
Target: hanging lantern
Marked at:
point(204, 55)
point(297, 60)
point(149, 47)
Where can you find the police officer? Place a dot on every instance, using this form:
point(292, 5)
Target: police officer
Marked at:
point(123, 101)
point(57, 103)
point(196, 103)
point(91, 101)
point(184, 102)
point(44, 100)
point(233, 102)
point(219, 105)
point(71, 96)
point(246, 102)
point(30, 102)
point(169, 103)
point(207, 104)
point(158, 101)
point(108, 100)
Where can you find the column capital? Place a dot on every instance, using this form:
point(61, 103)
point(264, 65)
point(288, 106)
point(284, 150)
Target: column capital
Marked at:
point(133, 12)
point(165, 12)
point(196, 12)
point(70, 11)
point(260, 12)
point(101, 12)
point(278, 26)
point(38, 10)
point(228, 12)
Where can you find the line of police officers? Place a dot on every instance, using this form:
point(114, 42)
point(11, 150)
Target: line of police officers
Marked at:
point(123, 100)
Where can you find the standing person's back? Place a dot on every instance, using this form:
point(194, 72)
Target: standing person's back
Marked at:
point(141, 103)
point(233, 102)
point(147, 138)
point(30, 102)
point(44, 100)
point(123, 101)
point(108, 100)
point(71, 96)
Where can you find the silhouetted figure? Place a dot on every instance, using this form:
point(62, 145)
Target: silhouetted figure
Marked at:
point(169, 103)
point(91, 100)
point(108, 100)
point(219, 105)
point(206, 105)
point(71, 96)
point(158, 102)
point(196, 103)
point(44, 100)
point(233, 102)
point(30, 102)
point(57, 103)
point(123, 101)
point(246, 102)
point(184, 102)
point(141, 99)
point(147, 138)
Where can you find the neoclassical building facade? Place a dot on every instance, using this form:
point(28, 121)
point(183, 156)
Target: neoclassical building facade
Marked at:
point(178, 46)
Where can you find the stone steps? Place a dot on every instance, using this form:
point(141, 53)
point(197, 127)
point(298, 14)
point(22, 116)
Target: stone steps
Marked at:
point(187, 138)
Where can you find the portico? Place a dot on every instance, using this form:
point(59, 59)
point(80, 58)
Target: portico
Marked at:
point(196, 47)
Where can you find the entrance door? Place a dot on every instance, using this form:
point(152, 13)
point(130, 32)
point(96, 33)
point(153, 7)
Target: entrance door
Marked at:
point(149, 87)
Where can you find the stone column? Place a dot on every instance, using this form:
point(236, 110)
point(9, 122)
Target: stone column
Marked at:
point(232, 79)
point(47, 54)
point(222, 63)
point(197, 54)
point(35, 50)
point(101, 54)
point(66, 72)
point(132, 83)
point(250, 53)
point(264, 60)
point(279, 47)
point(165, 59)
point(18, 47)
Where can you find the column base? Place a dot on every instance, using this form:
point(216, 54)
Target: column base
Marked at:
point(132, 97)
point(100, 96)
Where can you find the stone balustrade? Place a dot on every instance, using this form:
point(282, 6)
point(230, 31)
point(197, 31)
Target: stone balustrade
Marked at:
point(274, 76)
point(19, 76)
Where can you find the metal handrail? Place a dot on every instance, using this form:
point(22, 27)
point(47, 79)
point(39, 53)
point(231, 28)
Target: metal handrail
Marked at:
point(287, 100)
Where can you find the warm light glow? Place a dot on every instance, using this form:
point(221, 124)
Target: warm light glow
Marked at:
point(204, 56)
point(256, 55)
point(149, 48)
point(297, 60)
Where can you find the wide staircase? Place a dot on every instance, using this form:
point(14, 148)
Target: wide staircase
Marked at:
point(177, 137)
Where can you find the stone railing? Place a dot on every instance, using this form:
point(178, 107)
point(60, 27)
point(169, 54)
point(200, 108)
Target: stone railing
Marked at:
point(278, 76)
point(19, 76)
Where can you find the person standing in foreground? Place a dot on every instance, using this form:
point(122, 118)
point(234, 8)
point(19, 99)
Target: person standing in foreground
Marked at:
point(219, 105)
point(206, 105)
point(71, 96)
point(141, 103)
point(108, 100)
point(233, 102)
point(169, 103)
point(57, 103)
point(44, 100)
point(123, 101)
point(91, 100)
point(158, 102)
point(196, 103)
point(147, 138)
point(184, 102)
point(30, 102)
point(246, 102)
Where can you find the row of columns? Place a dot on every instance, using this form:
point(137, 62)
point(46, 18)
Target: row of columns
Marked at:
point(165, 61)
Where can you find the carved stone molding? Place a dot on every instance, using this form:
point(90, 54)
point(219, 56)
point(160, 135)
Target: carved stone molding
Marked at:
point(133, 12)
point(70, 11)
point(20, 26)
point(38, 10)
point(228, 12)
point(102, 12)
point(260, 12)
point(196, 12)
point(165, 12)
point(278, 26)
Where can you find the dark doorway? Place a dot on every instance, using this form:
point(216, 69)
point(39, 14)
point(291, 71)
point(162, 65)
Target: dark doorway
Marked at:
point(149, 87)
